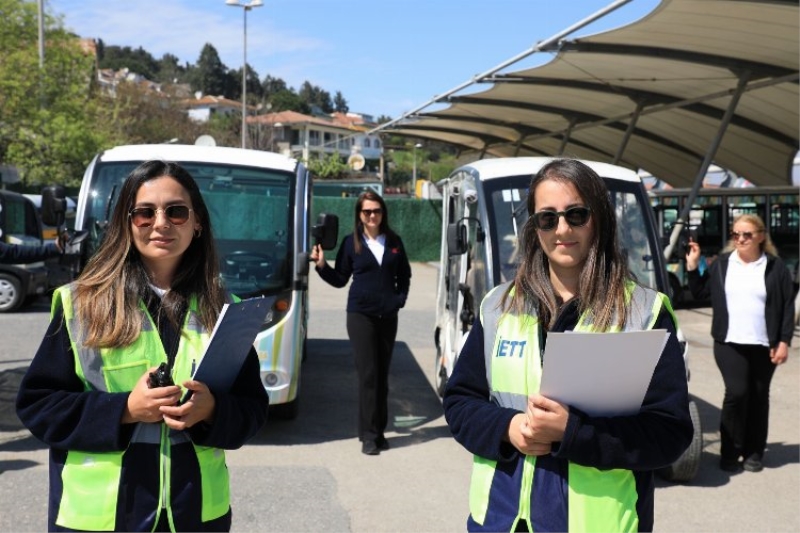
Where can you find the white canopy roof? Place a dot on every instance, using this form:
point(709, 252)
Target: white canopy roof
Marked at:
point(672, 76)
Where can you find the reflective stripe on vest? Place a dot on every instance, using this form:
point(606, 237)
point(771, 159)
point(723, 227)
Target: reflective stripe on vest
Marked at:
point(91, 480)
point(597, 500)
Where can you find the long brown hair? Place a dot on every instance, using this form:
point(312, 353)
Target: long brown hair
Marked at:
point(601, 288)
point(109, 290)
point(358, 226)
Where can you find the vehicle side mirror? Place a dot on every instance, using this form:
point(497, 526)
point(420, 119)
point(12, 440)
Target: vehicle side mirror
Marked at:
point(54, 205)
point(326, 231)
point(456, 239)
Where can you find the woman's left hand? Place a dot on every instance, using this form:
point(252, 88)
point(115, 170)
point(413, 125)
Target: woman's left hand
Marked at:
point(198, 408)
point(547, 418)
point(779, 354)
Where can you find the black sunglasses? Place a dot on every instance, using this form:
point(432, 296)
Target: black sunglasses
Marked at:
point(144, 217)
point(369, 212)
point(575, 216)
point(746, 234)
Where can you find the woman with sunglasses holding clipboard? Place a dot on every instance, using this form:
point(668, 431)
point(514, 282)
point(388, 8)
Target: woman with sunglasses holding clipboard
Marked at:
point(374, 256)
point(540, 465)
point(752, 326)
point(124, 454)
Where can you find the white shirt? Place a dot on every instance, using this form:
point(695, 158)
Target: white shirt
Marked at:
point(746, 297)
point(159, 291)
point(377, 246)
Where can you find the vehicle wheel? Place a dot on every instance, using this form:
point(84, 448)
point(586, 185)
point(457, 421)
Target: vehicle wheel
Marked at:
point(685, 468)
point(11, 296)
point(285, 411)
point(677, 296)
point(440, 373)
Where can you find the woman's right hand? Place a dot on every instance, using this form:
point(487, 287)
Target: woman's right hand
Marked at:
point(693, 256)
point(144, 403)
point(318, 255)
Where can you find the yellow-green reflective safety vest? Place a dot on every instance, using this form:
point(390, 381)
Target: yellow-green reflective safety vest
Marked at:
point(91, 480)
point(597, 500)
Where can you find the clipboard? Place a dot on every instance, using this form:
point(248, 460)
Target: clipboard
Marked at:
point(602, 374)
point(233, 336)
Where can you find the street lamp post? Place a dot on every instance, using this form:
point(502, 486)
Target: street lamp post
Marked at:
point(247, 7)
point(414, 172)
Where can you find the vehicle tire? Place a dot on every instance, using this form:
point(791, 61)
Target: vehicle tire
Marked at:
point(11, 297)
point(285, 411)
point(440, 373)
point(685, 468)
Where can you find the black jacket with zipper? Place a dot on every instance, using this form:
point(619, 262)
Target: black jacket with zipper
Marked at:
point(779, 308)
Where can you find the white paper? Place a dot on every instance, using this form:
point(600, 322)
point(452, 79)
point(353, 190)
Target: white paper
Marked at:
point(602, 374)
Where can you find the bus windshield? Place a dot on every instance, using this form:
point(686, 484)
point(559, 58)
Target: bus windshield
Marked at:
point(251, 217)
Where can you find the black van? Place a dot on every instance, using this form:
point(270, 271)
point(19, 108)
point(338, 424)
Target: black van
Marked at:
point(20, 224)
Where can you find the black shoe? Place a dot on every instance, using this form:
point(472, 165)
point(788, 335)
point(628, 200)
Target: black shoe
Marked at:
point(368, 447)
point(730, 465)
point(382, 443)
point(753, 463)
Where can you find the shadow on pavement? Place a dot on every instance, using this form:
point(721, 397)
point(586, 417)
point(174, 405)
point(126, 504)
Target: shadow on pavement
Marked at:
point(709, 473)
point(329, 400)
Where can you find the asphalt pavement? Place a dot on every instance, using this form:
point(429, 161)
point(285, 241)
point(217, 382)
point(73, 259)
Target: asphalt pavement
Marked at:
point(309, 474)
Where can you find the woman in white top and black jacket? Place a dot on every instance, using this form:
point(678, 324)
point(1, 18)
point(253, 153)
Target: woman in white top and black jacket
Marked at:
point(752, 326)
point(374, 256)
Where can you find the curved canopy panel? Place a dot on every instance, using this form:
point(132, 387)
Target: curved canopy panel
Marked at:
point(657, 95)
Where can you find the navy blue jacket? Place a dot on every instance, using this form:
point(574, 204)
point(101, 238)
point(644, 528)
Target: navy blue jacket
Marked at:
point(779, 308)
point(377, 289)
point(53, 404)
point(12, 254)
point(644, 442)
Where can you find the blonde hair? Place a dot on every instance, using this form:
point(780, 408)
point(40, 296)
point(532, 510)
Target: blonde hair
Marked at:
point(766, 245)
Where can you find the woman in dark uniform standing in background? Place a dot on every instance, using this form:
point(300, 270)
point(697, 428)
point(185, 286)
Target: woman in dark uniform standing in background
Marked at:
point(375, 258)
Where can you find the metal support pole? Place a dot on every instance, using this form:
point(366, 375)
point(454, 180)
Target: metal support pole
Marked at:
point(709, 157)
point(41, 34)
point(244, 83)
point(628, 133)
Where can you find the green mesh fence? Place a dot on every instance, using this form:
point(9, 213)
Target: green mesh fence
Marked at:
point(418, 222)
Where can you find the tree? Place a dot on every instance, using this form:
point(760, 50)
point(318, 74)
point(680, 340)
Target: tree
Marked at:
point(255, 90)
point(138, 61)
point(313, 96)
point(48, 116)
point(288, 100)
point(339, 103)
point(330, 167)
point(170, 70)
point(272, 86)
point(137, 116)
point(211, 75)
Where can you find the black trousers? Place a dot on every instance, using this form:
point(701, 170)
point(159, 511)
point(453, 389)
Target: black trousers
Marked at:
point(747, 372)
point(372, 340)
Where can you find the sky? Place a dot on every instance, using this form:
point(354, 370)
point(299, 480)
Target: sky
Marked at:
point(386, 57)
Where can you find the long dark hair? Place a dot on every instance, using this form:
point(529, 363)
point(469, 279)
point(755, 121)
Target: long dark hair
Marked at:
point(109, 289)
point(358, 227)
point(601, 288)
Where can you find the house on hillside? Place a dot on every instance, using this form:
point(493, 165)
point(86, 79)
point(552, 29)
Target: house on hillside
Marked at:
point(202, 107)
point(305, 136)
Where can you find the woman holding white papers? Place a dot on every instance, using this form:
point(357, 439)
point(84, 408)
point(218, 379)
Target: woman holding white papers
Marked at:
point(540, 465)
point(124, 455)
point(752, 326)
